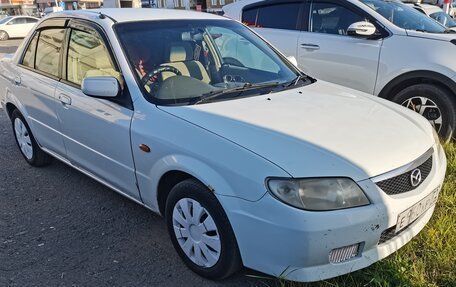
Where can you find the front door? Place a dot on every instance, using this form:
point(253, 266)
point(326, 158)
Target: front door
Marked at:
point(326, 52)
point(96, 131)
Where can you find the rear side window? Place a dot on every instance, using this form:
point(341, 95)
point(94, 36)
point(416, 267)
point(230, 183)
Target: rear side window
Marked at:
point(87, 56)
point(30, 20)
point(18, 21)
point(48, 51)
point(280, 16)
point(29, 57)
point(249, 17)
point(276, 16)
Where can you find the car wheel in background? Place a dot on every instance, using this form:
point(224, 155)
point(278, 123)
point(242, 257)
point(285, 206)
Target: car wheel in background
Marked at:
point(3, 36)
point(436, 104)
point(200, 231)
point(32, 153)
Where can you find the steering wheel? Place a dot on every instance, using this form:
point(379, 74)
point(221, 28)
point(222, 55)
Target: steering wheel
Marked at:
point(153, 76)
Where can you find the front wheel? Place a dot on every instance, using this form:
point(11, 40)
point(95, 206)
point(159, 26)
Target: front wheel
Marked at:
point(3, 36)
point(32, 153)
point(200, 231)
point(436, 104)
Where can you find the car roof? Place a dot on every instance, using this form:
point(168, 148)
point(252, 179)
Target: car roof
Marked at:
point(22, 16)
point(138, 14)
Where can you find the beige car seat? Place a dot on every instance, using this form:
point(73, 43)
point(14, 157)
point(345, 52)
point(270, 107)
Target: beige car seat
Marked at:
point(181, 57)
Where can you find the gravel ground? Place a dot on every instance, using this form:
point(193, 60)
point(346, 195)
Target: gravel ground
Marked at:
point(58, 227)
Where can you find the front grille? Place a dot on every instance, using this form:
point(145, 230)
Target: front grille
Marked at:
point(344, 253)
point(402, 183)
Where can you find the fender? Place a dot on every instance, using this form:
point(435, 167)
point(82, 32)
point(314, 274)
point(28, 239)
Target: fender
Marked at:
point(11, 99)
point(415, 77)
point(194, 167)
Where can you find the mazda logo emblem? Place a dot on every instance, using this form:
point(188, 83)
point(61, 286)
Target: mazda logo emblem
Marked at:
point(415, 177)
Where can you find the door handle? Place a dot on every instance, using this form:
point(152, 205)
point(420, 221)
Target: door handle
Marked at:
point(65, 100)
point(17, 80)
point(310, 46)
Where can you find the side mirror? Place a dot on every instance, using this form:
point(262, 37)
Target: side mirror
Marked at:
point(292, 60)
point(102, 87)
point(361, 29)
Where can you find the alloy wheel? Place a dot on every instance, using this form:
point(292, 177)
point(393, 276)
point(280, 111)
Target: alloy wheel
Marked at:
point(196, 232)
point(427, 108)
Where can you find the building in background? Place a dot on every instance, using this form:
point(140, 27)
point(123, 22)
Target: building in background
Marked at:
point(214, 6)
point(69, 4)
point(18, 7)
point(34, 7)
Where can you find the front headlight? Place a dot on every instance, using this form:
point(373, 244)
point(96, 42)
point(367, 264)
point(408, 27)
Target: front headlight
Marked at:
point(318, 193)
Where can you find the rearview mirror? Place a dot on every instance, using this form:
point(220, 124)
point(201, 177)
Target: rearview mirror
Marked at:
point(293, 60)
point(363, 29)
point(102, 87)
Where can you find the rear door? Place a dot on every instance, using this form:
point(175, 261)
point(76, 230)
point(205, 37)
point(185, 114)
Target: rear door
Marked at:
point(325, 51)
point(30, 23)
point(35, 84)
point(18, 27)
point(96, 131)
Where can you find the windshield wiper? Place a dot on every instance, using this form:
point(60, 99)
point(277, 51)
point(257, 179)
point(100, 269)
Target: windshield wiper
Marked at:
point(300, 77)
point(240, 89)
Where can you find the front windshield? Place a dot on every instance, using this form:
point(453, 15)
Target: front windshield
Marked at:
point(404, 16)
point(444, 19)
point(185, 61)
point(4, 20)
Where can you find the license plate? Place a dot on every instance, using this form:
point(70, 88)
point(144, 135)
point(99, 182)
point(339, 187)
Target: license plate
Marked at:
point(409, 215)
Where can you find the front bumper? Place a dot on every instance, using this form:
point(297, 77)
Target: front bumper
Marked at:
point(294, 244)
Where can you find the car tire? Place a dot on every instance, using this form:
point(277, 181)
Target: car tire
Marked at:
point(200, 231)
point(26, 142)
point(3, 35)
point(441, 110)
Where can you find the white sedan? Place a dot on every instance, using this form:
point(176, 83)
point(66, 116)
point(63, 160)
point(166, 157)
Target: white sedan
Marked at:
point(251, 162)
point(16, 26)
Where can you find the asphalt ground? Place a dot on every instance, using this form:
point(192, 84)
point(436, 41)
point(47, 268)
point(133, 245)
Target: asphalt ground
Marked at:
point(9, 46)
point(59, 227)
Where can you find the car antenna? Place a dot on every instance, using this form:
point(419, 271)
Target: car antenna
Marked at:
point(101, 15)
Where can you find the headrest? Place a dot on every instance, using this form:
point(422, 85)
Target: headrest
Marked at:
point(180, 52)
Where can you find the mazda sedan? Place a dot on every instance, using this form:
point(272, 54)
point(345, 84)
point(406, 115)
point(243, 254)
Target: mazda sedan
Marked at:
point(251, 162)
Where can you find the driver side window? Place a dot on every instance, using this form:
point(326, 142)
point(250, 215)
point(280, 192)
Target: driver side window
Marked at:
point(332, 18)
point(87, 57)
point(234, 46)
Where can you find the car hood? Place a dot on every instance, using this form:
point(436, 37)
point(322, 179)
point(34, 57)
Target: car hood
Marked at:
point(433, 36)
point(317, 130)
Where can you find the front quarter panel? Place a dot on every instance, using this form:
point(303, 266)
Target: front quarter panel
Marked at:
point(226, 168)
point(400, 55)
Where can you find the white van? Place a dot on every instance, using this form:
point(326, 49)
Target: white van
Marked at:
point(49, 10)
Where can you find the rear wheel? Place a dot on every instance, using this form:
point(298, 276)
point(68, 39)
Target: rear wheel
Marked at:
point(32, 153)
point(436, 104)
point(200, 231)
point(3, 36)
